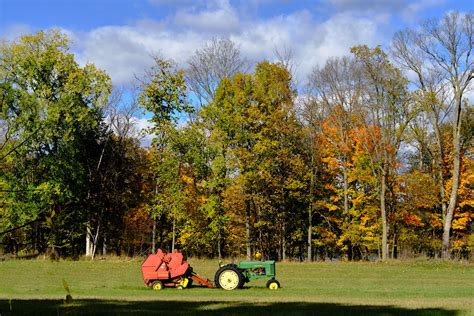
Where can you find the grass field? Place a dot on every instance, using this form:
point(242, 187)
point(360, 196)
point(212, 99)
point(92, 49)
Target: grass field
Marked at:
point(115, 287)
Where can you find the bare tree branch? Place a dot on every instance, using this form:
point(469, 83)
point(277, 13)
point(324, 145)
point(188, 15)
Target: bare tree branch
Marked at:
point(216, 60)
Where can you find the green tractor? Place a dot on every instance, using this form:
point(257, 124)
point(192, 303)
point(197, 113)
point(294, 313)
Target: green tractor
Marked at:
point(233, 276)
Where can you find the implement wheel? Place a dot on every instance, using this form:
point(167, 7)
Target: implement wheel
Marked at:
point(157, 285)
point(273, 284)
point(229, 278)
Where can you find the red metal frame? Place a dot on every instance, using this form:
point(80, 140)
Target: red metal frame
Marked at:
point(201, 280)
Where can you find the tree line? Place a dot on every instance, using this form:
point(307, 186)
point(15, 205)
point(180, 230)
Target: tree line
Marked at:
point(373, 158)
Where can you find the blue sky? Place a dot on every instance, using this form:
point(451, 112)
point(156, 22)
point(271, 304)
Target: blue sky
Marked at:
point(120, 35)
point(85, 15)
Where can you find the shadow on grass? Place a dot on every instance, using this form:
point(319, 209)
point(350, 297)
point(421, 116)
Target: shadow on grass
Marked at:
point(100, 307)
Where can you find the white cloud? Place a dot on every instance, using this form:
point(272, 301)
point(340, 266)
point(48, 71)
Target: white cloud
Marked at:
point(219, 21)
point(260, 39)
point(126, 50)
point(216, 17)
point(344, 31)
point(312, 43)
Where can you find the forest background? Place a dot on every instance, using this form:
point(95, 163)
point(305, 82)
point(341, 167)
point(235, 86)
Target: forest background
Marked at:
point(370, 157)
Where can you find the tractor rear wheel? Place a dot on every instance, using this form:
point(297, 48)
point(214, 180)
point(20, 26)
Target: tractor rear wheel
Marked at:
point(157, 285)
point(229, 278)
point(273, 284)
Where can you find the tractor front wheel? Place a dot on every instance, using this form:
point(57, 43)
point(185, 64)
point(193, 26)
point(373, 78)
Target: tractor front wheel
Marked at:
point(157, 285)
point(273, 284)
point(229, 278)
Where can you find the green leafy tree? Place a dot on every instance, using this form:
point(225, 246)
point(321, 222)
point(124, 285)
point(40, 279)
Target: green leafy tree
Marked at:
point(50, 107)
point(163, 94)
point(256, 136)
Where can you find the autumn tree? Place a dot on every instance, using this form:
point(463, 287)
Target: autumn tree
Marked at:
point(387, 111)
point(441, 51)
point(311, 116)
point(337, 86)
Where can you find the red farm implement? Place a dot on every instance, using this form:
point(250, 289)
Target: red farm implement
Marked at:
point(170, 269)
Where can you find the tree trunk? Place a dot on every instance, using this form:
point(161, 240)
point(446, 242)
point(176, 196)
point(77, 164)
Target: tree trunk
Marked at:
point(161, 231)
point(94, 243)
point(384, 217)
point(104, 246)
point(96, 236)
point(456, 171)
point(153, 233)
point(439, 165)
point(88, 240)
point(394, 245)
point(310, 211)
point(378, 248)
point(153, 238)
point(219, 253)
point(346, 194)
point(247, 229)
point(174, 233)
point(310, 234)
point(283, 242)
point(350, 253)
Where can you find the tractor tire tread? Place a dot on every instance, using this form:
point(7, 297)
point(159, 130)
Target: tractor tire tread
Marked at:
point(273, 281)
point(232, 267)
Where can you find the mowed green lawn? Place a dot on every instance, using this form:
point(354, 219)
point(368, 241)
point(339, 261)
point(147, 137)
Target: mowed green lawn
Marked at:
point(114, 286)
